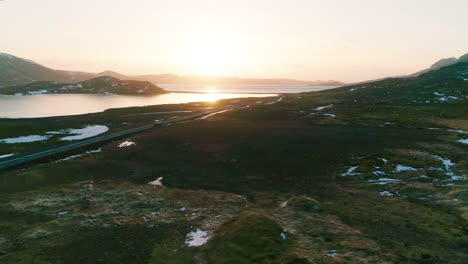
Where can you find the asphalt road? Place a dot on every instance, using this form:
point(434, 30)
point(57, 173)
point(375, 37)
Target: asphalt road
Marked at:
point(41, 154)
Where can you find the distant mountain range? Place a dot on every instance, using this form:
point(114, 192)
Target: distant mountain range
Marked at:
point(441, 63)
point(15, 70)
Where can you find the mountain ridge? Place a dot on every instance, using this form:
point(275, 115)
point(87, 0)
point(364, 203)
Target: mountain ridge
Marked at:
point(15, 70)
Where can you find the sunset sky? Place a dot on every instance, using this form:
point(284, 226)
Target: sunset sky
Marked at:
point(346, 40)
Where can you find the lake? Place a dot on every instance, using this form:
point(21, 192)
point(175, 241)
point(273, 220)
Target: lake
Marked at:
point(244, 88)
point(46, 105)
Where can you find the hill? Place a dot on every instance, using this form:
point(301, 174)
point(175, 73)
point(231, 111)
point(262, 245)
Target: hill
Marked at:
point(15, 70)
point(442, 63)
point(369, 173)
point(98, 85)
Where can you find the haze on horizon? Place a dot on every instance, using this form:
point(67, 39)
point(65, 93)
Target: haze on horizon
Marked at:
point(299, 39)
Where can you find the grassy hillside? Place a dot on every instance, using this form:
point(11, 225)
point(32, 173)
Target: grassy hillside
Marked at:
point(99, 85)
point(14, 70)
point(372, 173)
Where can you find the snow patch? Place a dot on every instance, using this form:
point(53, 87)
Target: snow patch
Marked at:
point(25, 139)
point(448, 164)
point(399, 168)
point(321, 108)
point(197, 238)
point(386, 193)
point(349, 172)
point(443, 98)
point(126, 144)
point(283, 235)
point(37, 92)
point(463, 141)
point(157, 182)
point(450, 130)
point(63, 213)
point(88, 131)
point(384, 160)
point(379, 173)
point(382, 181)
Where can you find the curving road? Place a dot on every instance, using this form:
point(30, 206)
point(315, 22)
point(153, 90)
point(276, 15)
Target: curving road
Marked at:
point(41, 154)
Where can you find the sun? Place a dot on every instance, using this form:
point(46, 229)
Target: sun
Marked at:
point(211, 54)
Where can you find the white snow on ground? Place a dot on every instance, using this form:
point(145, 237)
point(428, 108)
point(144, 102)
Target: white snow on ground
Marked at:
point(352, 89)
point(274, 102)
point(321, 108)
point(95, 151)
point(450, 130)
point(383, 181)
point(126, 144)
point(283, 235)
point(197, 238)
point(6, 156)
point(332, 253)
point(37, 92)
point(463, 141)
point(183, 209)
point(88, 131)
point(442, 97)
point(384, 160)
point(259, 102)
point(399, 168)
point(446, 162)
point(157, 182)
point(379, 173)
point(63, 213)
point(215, 113)
point(350, 171)
point(448, 168)
point(71, 87)
point(386, 193)
point(25, 139)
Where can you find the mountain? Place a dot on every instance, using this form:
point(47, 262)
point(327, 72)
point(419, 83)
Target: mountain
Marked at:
point(15, 70)
point(98, 85)
point(442, 63)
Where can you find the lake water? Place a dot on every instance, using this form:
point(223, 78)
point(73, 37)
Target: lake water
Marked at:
point(244, 88)
point(46, 105)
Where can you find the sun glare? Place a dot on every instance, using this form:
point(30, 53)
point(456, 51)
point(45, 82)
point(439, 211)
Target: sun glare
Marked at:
point(211, 54)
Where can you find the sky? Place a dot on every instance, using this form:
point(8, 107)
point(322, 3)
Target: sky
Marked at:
point(346, 40)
